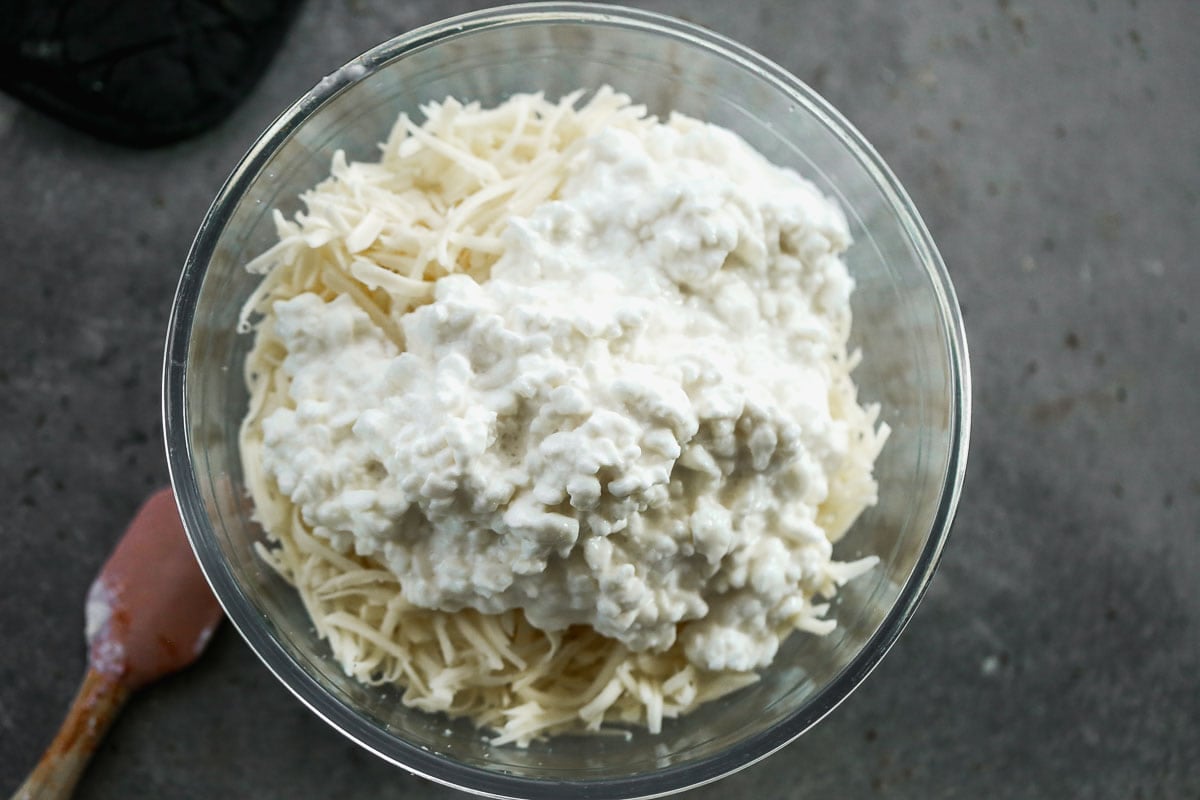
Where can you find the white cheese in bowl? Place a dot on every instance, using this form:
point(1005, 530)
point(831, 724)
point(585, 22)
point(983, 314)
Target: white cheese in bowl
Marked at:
point(628, 425)
point(550, 419)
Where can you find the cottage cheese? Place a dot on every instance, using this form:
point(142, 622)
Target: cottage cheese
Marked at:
point(627, 426)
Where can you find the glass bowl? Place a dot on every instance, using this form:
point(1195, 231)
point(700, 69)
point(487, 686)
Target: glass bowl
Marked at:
point(906, 321)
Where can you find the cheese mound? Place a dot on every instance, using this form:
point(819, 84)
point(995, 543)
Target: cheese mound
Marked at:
point(624, 407)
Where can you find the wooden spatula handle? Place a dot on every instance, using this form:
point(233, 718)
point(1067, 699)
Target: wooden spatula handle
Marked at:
point(96, 705)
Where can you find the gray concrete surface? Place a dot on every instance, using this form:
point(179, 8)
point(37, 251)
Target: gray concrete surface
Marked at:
point(1054, 150)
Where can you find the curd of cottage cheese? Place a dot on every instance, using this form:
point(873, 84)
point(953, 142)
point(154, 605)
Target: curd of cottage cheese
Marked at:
point(627, 426)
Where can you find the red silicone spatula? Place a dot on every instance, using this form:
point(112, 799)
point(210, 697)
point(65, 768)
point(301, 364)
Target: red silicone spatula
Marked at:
point(149, 613)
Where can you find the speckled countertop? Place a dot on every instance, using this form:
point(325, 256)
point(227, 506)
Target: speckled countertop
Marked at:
point(1054, 151)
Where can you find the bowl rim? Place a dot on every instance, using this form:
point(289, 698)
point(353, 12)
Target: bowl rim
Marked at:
point(240, 610)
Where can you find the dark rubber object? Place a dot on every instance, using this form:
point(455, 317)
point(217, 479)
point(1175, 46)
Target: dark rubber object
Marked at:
point(138, 72)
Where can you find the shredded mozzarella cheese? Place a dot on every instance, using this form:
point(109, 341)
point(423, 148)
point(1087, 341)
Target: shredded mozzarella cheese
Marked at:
point(381, 234)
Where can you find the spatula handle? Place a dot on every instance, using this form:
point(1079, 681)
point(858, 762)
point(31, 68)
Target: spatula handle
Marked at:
point(96, 705)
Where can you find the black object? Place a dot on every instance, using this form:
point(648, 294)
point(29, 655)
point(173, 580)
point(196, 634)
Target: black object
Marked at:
point(138, 72)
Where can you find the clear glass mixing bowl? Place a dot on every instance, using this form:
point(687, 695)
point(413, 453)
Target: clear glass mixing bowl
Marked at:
point(906, 321)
